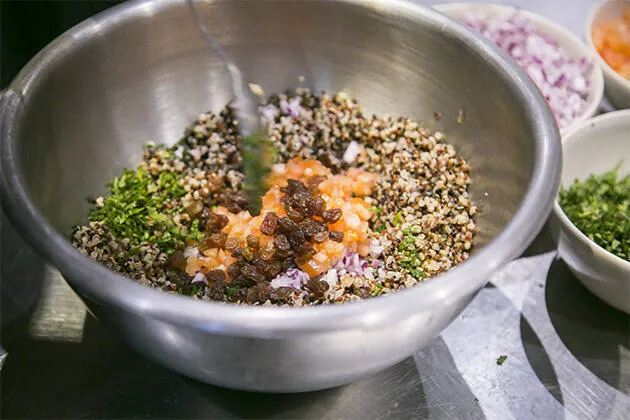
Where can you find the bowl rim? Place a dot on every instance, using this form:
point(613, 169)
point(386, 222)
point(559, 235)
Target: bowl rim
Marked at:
point(610, 118)
point(277, 322)
point(596, 90)
point(589, 41)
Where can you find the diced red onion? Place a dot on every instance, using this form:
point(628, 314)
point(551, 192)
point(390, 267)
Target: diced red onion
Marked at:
point(291, 278)
point(200, 278)
point(292, 108)
point(191, 252)
point(352, 151)
point(376, 249)
point(561, 79)
point(331, 277)
point(350, 263)
point(269, 113)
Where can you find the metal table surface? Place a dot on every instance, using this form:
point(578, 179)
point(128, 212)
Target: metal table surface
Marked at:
point(568, 354)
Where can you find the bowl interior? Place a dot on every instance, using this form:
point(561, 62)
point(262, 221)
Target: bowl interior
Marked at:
point(144, 77)
point(597, 148)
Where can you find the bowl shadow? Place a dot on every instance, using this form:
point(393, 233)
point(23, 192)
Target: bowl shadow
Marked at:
point(592, 331)
point(539, 360)
point(21, 280)
point(380, 395)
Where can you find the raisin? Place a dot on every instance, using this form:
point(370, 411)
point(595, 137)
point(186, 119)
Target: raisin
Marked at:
point(296, 239)
point(247, 253)
point(239, 295)
point(214, 240)
point(282, 243)
point(195, 208)
point(294, 187)
point(252, 241)
point(331, 216)
point(317, 288)
point(311, 227)
point(283, 255)
point(234, 270)
point(293, 213)
point(216, 276)
point(176, 260)
point(281, 294)
point(259, 263)
point(214, 182)
point(231, 244)
point(319, 206)
point(269, 224)
point(273, 269)
point(215, 222)
point(286, 225)
point(303, 202)
point(304, 254)
point(267, 253)
point(233, 202)
point(286, 264)
point(320, 237)
point(251, 272)
point(217, 291)
point(329, 160)
point(335, 236)
point(180, 279)
point(258, 293)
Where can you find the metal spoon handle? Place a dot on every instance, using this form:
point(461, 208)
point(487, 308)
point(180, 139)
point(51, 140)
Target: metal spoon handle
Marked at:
point(244, 104)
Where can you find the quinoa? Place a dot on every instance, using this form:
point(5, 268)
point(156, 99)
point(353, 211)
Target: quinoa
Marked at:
point(421, 220)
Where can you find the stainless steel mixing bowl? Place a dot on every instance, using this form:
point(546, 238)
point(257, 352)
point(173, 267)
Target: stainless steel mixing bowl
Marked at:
point(80, 110)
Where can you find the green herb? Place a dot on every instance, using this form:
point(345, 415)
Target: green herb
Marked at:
point(380, 228)
point(378, 289)
point(377, 210)
point(398, 219)
point(258, 156)
point(194, 290)
point(407, 253)
point(600, 208)
point(230, 291)
point(140, 207)
point(501, 360)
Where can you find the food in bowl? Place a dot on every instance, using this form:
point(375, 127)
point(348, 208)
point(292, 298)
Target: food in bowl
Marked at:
point(561, 78)
point(356, 206)
point(599, 207)
point(612, 42)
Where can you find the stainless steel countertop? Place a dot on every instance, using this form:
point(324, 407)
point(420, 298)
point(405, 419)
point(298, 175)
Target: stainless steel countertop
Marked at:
point(568, 354)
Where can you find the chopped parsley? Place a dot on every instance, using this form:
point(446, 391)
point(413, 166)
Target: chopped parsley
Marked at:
point(407, 253)
point(380, 228)
point(378, 289)
point(600, 208)
point(230, 291)
point(398, 219)
point(140, 208)
point(258, 156)
point(501, 359)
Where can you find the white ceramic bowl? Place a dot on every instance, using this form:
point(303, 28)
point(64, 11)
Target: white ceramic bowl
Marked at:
point(570, 43)
point(594, 147)
point(617, 87)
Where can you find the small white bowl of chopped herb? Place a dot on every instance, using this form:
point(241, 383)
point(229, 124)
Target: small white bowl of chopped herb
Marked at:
point(592, 213)
point(561, 65)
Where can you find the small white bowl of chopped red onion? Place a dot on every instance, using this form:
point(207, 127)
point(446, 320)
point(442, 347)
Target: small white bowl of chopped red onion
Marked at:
point(591, 218)
point(561, 65)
